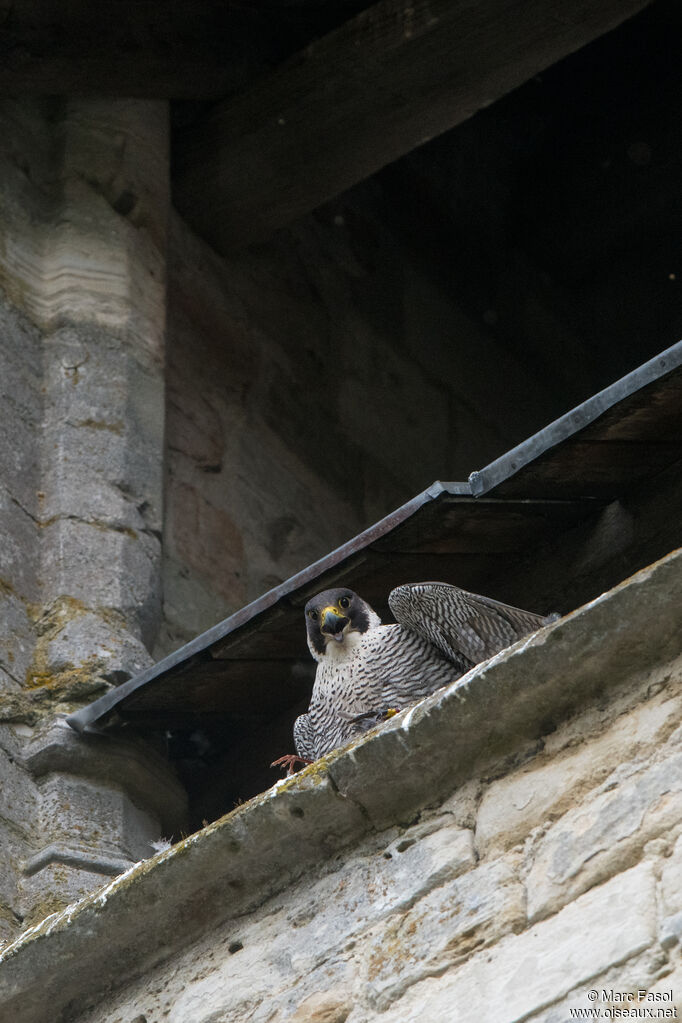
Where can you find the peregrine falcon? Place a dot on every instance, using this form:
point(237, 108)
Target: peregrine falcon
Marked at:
point(366, 670)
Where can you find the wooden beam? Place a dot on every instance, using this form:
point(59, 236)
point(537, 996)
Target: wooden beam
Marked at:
point(387, 81)
point(196, 49)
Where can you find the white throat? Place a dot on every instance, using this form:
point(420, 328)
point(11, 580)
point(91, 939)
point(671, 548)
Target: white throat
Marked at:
point(340, 651)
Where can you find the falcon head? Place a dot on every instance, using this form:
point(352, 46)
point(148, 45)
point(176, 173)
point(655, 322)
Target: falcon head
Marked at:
point(334, 617)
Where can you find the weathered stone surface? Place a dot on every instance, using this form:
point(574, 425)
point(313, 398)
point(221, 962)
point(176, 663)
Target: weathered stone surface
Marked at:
point(84, 193)
point(294, 894)
point(671, 931)
point(90, 641)
point(19, 827)
point(93, 810)
point(20, 546)
point(78, 258)
point(16, 639)
point(608, 830)
point(667, 990)
point(463, 804)
point(19, 823)
point(20, 418)
point(370, 889)
point(247, 859)
point(113, 763)
point(329, 1007)
point(548, 786)
point(248, 967)
point(523, 973)
point(618, 988)
point(671, 880)
point(56, 885)
point(451, 923)
point(101, 512)
point(105, 824)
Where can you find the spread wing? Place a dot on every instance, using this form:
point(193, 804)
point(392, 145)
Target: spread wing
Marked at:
point(458, 623)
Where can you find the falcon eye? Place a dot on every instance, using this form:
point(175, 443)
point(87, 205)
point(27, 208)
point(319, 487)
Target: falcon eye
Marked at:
point(344, 602)
point(313, 615)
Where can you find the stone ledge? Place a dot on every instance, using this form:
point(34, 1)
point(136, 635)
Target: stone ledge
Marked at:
point(73, 856)
point(161, 905)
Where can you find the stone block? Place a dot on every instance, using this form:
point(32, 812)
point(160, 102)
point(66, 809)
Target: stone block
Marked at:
point(189, 606)
point(21, 406)
point(92, 642)
point(18, 794)
point(629, 986)
point(667, 990)
point(515, 804)
point(103, 431)
point(671, 880)
point(236, 985)
point(595, 839)
point(99, 822)
point(15, 847)
point(19, 550)
point(100, 566)
point(19, 828)
point(524, 973)
point(405, 390)
point(332, 1006)
point(671, 930)
point(207, 540)
point(98, 804)
point(369, 889)
point(54, 886)
point(111, 764)
point(463, 804)
point(451, 923)
point(102, 262)
point(17, 638)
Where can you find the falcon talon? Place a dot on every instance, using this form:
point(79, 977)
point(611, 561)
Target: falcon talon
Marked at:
point(441, 632)
point(288, 761)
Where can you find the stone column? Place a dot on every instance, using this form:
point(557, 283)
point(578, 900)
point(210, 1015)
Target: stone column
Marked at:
point(84, 197)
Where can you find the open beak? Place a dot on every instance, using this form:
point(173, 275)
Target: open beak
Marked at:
point(333, 623)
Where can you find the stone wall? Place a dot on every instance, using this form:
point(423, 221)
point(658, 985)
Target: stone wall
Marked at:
point(510, 849)
point(511, 900)
point(84, 196)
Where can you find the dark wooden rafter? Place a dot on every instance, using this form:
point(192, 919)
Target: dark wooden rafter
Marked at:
point(194, 49)
point(387, 81)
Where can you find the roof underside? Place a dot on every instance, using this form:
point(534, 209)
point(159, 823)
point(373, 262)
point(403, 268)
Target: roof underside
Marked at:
point(563, 516)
